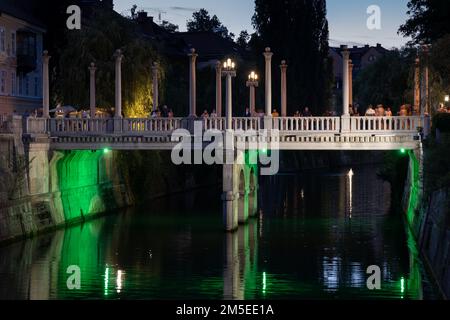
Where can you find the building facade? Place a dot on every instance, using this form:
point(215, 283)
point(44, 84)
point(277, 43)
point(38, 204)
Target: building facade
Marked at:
point(361, 58)
point(21, 47)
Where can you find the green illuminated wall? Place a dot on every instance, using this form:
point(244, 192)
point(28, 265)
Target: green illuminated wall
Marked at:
point(86, 183)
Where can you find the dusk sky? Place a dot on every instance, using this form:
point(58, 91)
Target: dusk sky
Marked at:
point(347, 18)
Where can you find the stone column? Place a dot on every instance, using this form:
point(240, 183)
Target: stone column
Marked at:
point(425, 103)
point(155, 69)
point(219, 89)
point(350, 80)
point(45, 86)
point(417, 110)
point(92, 103)
point(229, 74)
point(268, 56)
point(283, 88)
point(427, 90)
point(118, 56)
point(192, 84)
point(345, 81)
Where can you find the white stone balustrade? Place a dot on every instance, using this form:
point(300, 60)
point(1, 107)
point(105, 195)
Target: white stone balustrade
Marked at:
point(5, 124)
point(308, 124)
point(37, 125)
point(385, 124)
point(295, 125)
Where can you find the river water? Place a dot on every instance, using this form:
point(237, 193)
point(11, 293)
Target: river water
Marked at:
point(315, 237)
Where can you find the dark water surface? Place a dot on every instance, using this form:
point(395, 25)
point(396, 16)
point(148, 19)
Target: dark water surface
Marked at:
point(316, 235)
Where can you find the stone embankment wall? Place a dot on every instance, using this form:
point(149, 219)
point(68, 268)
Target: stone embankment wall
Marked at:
point(42, 189)
point(429, 219)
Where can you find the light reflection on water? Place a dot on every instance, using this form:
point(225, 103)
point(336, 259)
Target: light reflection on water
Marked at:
point(316, 236)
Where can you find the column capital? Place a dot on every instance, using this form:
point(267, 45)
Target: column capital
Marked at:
point(218, 66)
point(155, 68)
point(283, 65)
point(350, 64)
point(268, 54)
point(192, 54)
point(345, 52)
point(118, 55)
point(92, 67)
point(46, 56)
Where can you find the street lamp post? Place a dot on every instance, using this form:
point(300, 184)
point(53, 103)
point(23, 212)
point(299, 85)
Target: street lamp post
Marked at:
point(252, 83)
point(229, 71)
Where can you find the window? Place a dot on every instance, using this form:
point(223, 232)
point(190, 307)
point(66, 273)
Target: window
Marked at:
point(13, 84)
point(3, 82)
point(27, 86)
point(372, 58)
point(13, 44)
point(36, 87)
point(2, 40)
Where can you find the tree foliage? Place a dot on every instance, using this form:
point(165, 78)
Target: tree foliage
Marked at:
point(297, 31)
point(170, 27)
point(243, 39)
point(387, 81)
point(429, 20)
point(202, 22)
point(97, 42)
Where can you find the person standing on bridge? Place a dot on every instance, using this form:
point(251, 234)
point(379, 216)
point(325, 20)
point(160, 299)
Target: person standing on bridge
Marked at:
point(165, 112)
point(388, 112)
point(370, 111)
point(307, 113)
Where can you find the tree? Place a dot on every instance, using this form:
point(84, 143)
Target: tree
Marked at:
point(170, 27)
point(96, 42)
point(297, 31)
point(243, 39)
point(429, 20)
point(203, 22)
point(388, 81)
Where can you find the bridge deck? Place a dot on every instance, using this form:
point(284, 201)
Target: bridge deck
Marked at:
point(315, 133)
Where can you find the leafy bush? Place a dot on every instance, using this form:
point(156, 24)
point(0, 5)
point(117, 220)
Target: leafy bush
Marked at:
point(441, 121)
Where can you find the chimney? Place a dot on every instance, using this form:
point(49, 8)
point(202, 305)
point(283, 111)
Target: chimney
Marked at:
point(367, 46)
point(378, 45)
point(108, 4)
point(142, 16)
point(355, 47)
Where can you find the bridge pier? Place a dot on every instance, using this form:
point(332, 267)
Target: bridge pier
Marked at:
point(240, 201)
